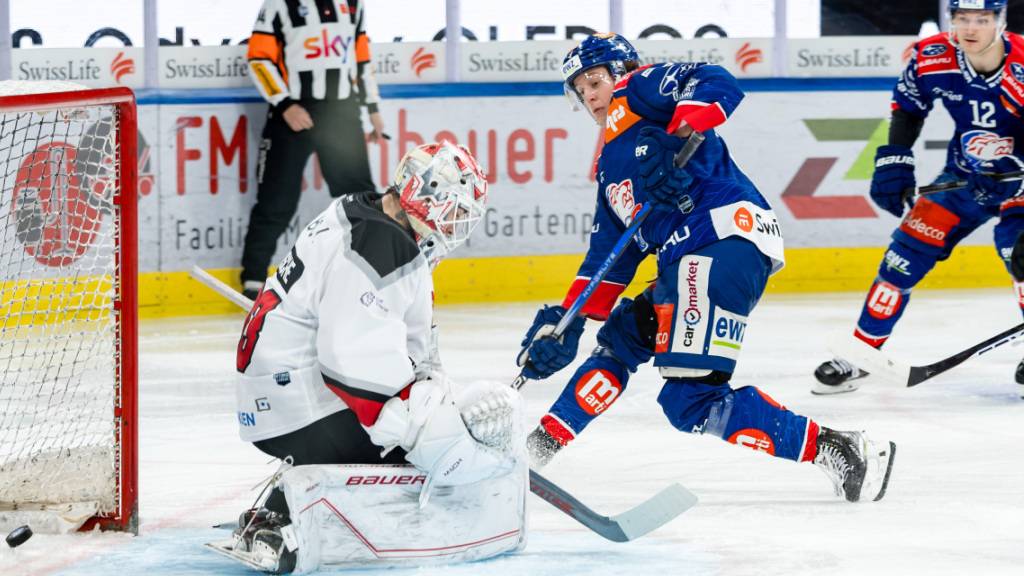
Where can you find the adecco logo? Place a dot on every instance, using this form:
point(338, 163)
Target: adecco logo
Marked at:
point(747, 56)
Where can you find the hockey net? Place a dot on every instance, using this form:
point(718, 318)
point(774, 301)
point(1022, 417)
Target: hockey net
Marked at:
point(68, 375)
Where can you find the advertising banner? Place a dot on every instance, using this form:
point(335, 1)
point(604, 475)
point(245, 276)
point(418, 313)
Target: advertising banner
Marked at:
point(849, 56)
point(93, 67)
point(810, 153)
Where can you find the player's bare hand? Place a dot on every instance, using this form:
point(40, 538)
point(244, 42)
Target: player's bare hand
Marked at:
point(378, 128)
point(297, 118)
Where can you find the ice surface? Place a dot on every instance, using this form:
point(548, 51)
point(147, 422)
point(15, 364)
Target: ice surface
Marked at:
point(955, 504)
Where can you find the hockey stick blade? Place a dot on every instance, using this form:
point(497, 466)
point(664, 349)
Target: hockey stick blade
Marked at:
point(862, 355)
point(654, 513)
point(872, 359)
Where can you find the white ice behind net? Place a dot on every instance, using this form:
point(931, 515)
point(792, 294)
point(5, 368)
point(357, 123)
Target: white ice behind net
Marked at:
point(58, 327)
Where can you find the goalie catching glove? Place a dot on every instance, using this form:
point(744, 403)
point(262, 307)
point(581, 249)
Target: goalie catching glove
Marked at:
point(431, 428)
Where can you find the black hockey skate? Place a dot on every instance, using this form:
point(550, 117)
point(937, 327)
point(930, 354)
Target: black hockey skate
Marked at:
point(542, 447)
point(258, 542)
point(837, 376)
point(858, 466)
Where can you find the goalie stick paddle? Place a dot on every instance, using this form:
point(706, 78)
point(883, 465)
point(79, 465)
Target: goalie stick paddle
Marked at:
point(876, 362)
point(631, 524)
point(680, 160)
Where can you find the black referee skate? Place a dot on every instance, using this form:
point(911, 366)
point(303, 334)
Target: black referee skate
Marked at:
point(542, 447)
point(858, 466)
point(837, 376)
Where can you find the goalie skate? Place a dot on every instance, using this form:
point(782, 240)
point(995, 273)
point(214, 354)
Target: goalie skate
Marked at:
point(858, 466)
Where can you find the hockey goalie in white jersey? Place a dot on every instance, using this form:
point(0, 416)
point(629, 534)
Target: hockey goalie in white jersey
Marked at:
point(339, 376)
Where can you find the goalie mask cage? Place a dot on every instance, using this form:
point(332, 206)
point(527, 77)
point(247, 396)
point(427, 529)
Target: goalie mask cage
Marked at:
point(68, 323)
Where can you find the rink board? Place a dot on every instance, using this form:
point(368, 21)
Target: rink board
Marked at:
point(808, 144)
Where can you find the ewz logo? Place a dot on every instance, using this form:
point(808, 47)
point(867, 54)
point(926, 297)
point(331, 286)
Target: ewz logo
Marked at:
point(730, 329)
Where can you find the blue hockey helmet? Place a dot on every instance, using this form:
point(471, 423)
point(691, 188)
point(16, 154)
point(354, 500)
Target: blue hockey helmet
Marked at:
point(609, 50)
point(995, 5)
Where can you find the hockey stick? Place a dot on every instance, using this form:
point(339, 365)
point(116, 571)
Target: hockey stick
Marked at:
point(953, 185)
point(633, 523)
point(865, 356)
point(680, 160)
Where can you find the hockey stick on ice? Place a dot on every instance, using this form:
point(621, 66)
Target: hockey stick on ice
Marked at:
point(680, 160)
point(876, 362)
point(631, 524)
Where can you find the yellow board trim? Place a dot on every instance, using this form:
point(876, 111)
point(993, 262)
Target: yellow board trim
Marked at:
point(546, 278)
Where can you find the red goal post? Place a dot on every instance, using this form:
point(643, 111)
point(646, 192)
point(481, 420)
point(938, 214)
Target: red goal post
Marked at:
point(68, 309)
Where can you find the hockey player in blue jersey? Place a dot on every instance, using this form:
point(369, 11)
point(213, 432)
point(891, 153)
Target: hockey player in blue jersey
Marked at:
point(716, 240)
point(977, 72)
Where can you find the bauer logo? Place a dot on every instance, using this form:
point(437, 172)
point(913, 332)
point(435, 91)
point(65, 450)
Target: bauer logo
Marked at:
point(933, 50)
point(597, 390)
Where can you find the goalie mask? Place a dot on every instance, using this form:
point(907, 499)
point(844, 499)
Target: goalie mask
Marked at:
point(444, 193)
point(609, 50)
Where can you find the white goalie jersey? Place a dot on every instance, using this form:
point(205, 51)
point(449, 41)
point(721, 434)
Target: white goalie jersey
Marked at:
point(344, 323)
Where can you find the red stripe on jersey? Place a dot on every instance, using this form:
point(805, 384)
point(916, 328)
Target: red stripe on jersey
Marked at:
point(699, 116)
point(625, 79)
point(601, 301)
point(557, 430)
point(936, 55)
point(365, 409)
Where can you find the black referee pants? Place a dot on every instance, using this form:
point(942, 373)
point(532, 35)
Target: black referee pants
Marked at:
point(338, 139)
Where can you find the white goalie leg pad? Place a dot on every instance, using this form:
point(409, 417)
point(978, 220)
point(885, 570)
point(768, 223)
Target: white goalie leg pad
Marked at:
point(352, 515)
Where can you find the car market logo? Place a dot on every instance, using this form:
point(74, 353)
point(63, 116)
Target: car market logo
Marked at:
point(59, 202)
point(747, 56)
point(422, 60)
point(121, 66)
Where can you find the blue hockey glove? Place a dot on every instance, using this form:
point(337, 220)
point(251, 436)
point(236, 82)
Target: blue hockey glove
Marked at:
point(659, 178)
point(1017, 259)
point(893, 182)
point(988, 191)
point(542, 354)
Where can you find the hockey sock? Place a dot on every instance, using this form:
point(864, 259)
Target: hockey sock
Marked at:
point(746, 417)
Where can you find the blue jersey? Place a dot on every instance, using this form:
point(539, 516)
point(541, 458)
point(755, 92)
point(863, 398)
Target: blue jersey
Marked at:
point(985, 109)
point(726, 202)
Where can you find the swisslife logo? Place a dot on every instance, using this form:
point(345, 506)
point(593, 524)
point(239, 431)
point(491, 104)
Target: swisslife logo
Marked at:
point(747, 56)
point(422, 60)
point(121, 66)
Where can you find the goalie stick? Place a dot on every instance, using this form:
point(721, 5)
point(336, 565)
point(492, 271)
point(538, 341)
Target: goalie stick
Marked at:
point(655, 512)
point(680, 160)
point(876, 362)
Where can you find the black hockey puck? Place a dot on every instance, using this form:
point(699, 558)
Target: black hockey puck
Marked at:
point(18, 536)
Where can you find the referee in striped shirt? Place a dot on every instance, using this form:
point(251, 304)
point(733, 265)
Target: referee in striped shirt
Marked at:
point(310, 59)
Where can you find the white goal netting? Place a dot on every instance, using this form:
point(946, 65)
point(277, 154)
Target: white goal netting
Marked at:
point(60, 403)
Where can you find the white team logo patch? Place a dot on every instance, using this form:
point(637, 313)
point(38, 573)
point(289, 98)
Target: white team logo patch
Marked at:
point(984, 146)
point(621, 200)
